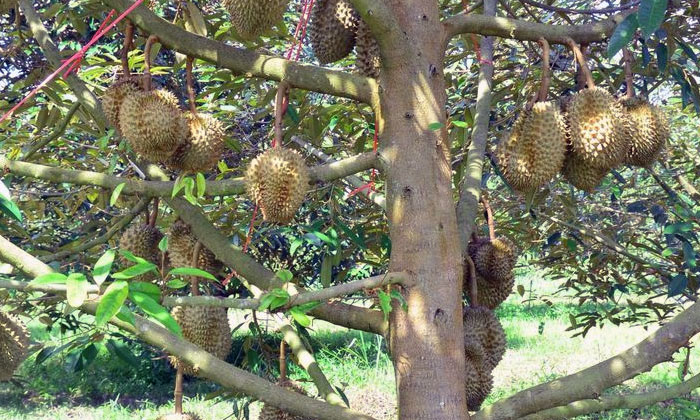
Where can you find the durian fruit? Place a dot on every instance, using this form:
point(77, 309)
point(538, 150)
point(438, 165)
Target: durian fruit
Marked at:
point(645, 142)
point(582, 175)
point(277, 181)
point(597, 128)
point(142, 240)
point(481, 326)
point(181, 243)
point(153, 124)
point(535, 149)
point(183, 416)
point(207, 327)
point(203, 146)
point(269, 412)
point(14, 345)
point(332, 29)
point(494, 262)
point(368, 60)
point(114, 96)
point(251, 18)
point(478, 384)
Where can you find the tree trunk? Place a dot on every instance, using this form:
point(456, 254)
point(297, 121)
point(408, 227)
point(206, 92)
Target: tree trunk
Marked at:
point(426, 341)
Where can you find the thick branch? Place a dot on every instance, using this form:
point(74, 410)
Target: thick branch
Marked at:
point(250, 63)
point(470, 190)
point(530, 31)
point(633, 401)
point(589, 383)
point(82, 92)
point(210, 367)
point(232, 186)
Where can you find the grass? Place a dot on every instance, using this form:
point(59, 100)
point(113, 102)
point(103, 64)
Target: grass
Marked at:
point(539, 349)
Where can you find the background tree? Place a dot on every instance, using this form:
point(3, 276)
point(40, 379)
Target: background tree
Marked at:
point(626, 246)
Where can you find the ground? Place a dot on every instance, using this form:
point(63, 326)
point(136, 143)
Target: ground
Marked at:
point(539, 349)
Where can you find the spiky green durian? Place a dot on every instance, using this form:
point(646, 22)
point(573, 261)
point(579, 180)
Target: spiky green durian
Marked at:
point(203, 145)
point(332, 29)
point(206, 327)
point(14, 345)
point(251, 18)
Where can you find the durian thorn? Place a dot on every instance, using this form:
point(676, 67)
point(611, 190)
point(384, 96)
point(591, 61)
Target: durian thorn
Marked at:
point(190, 85)
point(489, 217)
point(283, 361)
point(195, 264)
point(147, 60)
point(581, 59)
point(128, 42)
point(280, 110)
point(629, 76)
point(154, 213)
point(473, 291)
point(177, 394)
point(544, 87)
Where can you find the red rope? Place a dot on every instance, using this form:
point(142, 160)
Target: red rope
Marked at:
point(71, 61)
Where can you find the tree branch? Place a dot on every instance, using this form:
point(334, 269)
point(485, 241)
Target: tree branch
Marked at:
point(470, 190)
point(605, 403)
point(82, 92)
point(210, 367)
point(589, 383)
point(231, 186)
point(322, 295)
point(58, 132)
point(250, 63)
point(607, 10)
point(530, 31)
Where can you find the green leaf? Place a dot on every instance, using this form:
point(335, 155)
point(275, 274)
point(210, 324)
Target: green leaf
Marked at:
point(122, 351)
point(149, 289)
point(111, 302)
point(76, 289)
point(384, 303)
point(177, 284)
point(300, 317)
point(49, 279)
point(115, 193)
point(460, 124)
point(435, 126)
point(10, 208)
point(294, 246)
point(131, 257)
point(326, 271)
point(662, 56)
point(308, 306)
point(195, 20)
point(134, 271)
point(163, 244)
point(265, 302)
point(103, 266)
point(189, 190)
point(677, 285)
point(154, 310)
point(622, 35)
point(285, 275)
point(678, 227)
point(651, 15)
point(201, 185)
point(126, 315)
point(190, 271)
point(178, 185)
point(398, 296)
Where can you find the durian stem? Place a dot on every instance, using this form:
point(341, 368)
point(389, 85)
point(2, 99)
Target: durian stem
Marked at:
point(629, 76)
point(282, 92)
point(190, 85)
point(178, 389)
point(147, 60)
point(154, 213)
point(283, 361)
point(489, 218)
point(473, 291)
point(544, 87)
point(581, 59)
point(195, 264)
point(128, 41)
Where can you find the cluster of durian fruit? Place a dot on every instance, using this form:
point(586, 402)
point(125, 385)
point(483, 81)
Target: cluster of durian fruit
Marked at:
point(490, 265)
point(334, 30)
point(14, 345)
point(583, 137)
point(158, 130)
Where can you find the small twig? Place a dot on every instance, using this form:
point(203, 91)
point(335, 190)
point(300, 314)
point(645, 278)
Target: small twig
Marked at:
point(147, 60)
point(489, 217)
point(283, 361)
point(544, 87)
point(582, 62)
point(282, 92)
point(128, 42)
point(607, 10)
point(190, 85)
point(58, 132)
point(154, 214)
point(629, 77)
point(473, 291)
point(178, 388)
